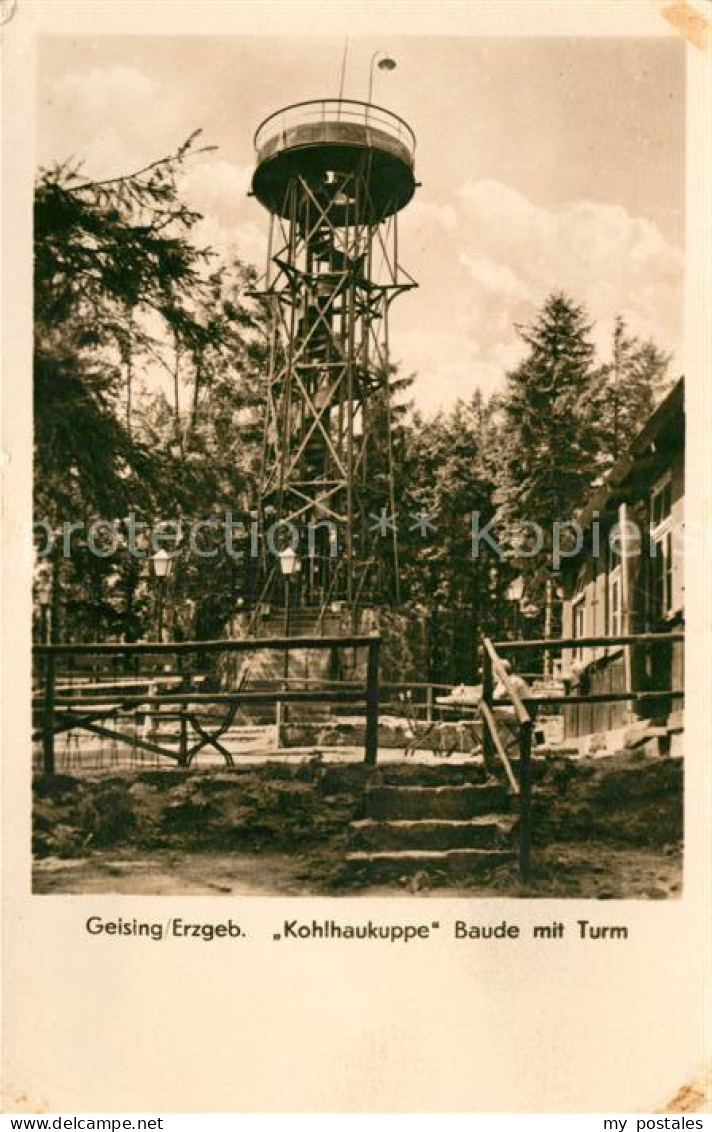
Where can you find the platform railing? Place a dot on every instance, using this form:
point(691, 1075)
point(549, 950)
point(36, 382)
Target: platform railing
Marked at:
point(329, 110)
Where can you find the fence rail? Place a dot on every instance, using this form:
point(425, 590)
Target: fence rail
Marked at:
point(58, 712)
point(544, 644)
point(492, 743)
point(525, 707)
point(178, 648)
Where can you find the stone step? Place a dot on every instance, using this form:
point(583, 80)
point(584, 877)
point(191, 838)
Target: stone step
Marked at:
point(442, 773)
point(436, 866)
point(437, 802)
point(478, 833)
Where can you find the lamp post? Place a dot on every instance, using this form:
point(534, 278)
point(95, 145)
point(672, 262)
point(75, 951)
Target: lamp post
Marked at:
point(384, 62)
point(515, 595)
point(44, 600)
point(162, 563)
point(290, 565)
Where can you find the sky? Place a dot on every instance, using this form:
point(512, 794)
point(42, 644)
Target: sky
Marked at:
point(545, 164)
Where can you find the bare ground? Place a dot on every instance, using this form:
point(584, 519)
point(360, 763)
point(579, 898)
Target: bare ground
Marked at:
point(566, 870)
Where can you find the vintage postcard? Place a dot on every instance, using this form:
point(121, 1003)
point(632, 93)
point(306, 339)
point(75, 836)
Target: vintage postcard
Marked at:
point(356, 529)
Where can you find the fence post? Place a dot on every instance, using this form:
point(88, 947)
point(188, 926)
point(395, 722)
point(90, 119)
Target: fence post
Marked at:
point(183, 749)
point(429, 703)
point(525, 799)
point(48, 718)
point(487, 698)
point(372, 702)
point(278, 720)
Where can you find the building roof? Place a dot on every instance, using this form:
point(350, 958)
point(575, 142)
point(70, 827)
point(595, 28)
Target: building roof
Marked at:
point(662, 436)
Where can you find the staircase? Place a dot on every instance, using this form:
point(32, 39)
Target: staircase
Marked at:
point(267, 668)
point(444, 822)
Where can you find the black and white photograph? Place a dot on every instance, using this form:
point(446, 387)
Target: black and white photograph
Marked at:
point(355, 604)
point(359, 466)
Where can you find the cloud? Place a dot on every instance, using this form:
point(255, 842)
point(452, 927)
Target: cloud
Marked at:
point(495, 261)
point(496, 278)
point(107, 116)
point(421, 214)
point(101, 89)
point(231, 222)
point(108, 155)
point(216, 187)
point(247, 241)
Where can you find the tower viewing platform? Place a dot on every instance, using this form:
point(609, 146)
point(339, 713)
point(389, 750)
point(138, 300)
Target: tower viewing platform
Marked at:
point(325, 140)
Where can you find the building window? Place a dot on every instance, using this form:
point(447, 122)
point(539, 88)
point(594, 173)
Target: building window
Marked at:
point(661, 574)
point(615, 604)
point(578, 623)
point(661, 549)
point(661, 503)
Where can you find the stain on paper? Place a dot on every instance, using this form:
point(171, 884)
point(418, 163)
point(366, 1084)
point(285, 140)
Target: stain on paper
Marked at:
point(690, 22)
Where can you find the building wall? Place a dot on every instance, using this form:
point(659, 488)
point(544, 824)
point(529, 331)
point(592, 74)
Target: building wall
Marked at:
point(588, 612)
point(678, 522)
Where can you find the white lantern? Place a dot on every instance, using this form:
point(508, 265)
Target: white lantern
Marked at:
point(162, 563)
point(288, 561)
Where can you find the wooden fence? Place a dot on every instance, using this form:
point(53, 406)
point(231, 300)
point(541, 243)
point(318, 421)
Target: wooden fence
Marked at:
point(523, 707)
point(94, 706)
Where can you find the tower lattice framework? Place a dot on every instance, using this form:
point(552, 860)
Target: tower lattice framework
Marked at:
point(334, 189)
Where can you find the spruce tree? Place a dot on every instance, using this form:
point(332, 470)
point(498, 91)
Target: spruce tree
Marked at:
point(549, 451)
point(124, 290)
point(630, 385)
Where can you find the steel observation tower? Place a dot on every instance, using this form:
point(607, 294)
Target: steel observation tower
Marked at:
point(334, 175)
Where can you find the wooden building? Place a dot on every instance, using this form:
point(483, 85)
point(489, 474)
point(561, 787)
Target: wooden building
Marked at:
point(628, 577)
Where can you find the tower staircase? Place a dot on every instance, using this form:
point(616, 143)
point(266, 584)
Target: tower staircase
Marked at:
point(264, 669)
